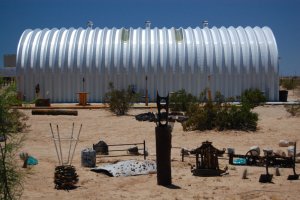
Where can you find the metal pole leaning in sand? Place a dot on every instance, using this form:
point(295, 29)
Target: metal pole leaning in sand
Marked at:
point(55, 144)
point(75, 144)
point(59, 145)
point(71, 140)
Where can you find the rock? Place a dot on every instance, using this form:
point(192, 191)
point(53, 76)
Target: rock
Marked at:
point(268, 151)
point(283, 143)
point(256, 150)
point(290, 150)
point(280, 153)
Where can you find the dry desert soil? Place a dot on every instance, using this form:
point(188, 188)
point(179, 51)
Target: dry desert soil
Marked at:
point(274, 124)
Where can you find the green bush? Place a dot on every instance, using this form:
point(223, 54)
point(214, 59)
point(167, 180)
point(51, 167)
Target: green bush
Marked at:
point(201, 117)
point(252, 98)
point(12, 122)
point(181, 100)
point(289, 83)
point(221, 116)
point(120, 101)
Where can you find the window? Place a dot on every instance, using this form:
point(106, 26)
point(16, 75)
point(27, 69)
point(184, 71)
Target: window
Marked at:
point(125, 35)
point(179, 35)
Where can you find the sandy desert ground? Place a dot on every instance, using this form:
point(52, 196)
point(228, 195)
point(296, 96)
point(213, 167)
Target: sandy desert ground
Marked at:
point(274, 124)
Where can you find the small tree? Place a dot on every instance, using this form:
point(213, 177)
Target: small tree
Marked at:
point(11, 123)
point(181, 100)
point(120, 100)
point(252, 98)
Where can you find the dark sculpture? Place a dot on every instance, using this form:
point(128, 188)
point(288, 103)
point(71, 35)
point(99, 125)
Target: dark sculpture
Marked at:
point(101, 148)
point(163, 142)
point(207, 160)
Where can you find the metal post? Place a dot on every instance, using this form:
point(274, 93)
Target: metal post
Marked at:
point(163, 144)
point(55, 144)
point(146, 95)
point(145, 150)
point(59, 143)
point(75, 144)
point(71, 140)
point(209, 91)
point(163, 155)
point(83, 80)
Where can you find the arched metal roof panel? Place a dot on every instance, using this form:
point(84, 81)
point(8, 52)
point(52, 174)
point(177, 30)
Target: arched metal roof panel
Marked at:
point(199, 48)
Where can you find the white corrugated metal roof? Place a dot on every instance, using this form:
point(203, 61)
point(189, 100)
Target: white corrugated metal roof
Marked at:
point(238, 58)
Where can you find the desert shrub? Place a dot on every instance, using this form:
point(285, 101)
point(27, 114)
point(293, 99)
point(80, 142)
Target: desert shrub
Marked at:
point(289, 83)
point(219, 98)
point(294, 110)
point(12, 122)
point(241, 118)
point(201, 117)
point(120, 101)
point(252, 98)
point(181, 100)
point(202, 96)
point(221, 116)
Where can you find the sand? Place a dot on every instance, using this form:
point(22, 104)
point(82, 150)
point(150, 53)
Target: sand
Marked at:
point(274, 124)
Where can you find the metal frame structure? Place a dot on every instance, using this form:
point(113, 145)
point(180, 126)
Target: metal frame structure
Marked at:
point(124, 150)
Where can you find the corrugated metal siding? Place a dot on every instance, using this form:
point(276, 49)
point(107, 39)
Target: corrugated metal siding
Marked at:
point(235, 58)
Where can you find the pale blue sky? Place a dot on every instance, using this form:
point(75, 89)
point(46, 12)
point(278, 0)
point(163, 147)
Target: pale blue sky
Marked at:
point(282, 16)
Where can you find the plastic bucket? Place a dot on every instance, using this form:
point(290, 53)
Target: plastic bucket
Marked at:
point(88, 158)
point(283, 95)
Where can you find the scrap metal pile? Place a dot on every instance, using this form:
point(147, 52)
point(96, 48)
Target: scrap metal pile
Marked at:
point(65, 177)
point(253, 158)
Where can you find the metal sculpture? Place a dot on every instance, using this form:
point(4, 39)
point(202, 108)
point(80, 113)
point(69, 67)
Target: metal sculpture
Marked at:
point(294, 176)
point(163, 142)
point(207, 160)
point(266, 178)
point(65, 176)
point(253, 159)
point(103, 149)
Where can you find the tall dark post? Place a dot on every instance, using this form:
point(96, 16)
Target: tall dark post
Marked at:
point(163, 143)
point(146, 95)
point(208, 90)
point(83, 80)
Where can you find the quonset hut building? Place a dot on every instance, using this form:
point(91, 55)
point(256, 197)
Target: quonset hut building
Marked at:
point(235, 59)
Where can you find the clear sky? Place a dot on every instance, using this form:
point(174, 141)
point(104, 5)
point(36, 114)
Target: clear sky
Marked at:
point(282, 16)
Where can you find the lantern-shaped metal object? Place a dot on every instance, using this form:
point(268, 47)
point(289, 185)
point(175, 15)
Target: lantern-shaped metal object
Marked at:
point(207, 160)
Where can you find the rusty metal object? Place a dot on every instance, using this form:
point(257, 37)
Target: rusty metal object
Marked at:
point(294, 176)
point(101, 148)
point(207, 160)
point(266, 178)
point(104, 149)
point(133, 150)
point(146, 95)
point(54, 112)
point(65, 177)
point(163, 110)
point(252, 159)
point(163, 142)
